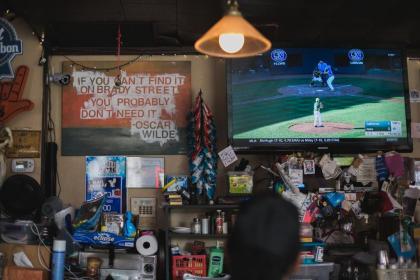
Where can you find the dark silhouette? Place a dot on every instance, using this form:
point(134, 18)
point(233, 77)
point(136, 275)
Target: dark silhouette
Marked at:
point(264, 244)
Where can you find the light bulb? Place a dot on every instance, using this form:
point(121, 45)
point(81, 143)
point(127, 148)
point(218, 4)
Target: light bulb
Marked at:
point(231, 42)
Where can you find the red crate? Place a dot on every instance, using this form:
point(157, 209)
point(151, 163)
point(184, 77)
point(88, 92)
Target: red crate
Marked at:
point(195, 264)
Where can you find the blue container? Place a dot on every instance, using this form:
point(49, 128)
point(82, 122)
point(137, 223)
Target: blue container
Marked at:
point(58, 259)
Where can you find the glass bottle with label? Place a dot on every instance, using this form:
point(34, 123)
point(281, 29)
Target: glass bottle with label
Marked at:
point(219, 222)
point(196, 226)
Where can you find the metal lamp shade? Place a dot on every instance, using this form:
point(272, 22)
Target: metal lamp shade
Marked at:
point(255, 43)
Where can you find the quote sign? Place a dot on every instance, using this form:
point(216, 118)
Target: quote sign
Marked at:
point(142, 111)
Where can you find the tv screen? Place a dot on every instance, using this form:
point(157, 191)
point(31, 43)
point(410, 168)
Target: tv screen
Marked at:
point(335, 99)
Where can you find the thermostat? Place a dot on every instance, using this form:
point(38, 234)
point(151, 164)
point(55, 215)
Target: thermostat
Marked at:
point(23, 165)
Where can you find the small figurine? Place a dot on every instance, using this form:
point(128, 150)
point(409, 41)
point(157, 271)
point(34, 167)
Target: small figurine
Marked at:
point(129, 228)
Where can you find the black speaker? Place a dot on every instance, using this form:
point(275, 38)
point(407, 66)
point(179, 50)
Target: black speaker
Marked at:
point(21, 196)
point(51, 170)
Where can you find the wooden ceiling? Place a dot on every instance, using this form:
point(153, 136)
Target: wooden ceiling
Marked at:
point(91, 25)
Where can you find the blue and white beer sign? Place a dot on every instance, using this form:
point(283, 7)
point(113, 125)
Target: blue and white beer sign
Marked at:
point(10, 46)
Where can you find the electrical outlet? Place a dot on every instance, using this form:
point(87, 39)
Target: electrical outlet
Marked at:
point(144, 206)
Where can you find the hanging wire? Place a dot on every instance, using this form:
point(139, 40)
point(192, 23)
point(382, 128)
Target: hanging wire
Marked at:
point(118, 77)
point(51, 128)
point(104, 68)
point(118, 44)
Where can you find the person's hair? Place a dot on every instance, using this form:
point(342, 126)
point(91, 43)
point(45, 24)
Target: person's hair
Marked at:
point(264, 244)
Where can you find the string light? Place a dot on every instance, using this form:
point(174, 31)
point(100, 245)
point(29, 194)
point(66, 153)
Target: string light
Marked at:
point(122, 65)
point(101, 68)
point(42, 38)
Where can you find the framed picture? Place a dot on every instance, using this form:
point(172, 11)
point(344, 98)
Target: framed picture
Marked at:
point(308, 167)
point(141, 109)
point(145, 172)
point(26, 144)
point(106, 175)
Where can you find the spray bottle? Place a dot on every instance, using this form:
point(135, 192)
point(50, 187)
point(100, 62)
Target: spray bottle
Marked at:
point(58, 258)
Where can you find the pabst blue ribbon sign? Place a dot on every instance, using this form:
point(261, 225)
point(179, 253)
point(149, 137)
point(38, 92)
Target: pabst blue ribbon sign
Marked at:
point(10, 46)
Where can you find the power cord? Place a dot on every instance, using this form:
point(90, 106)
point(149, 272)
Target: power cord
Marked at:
point(35, 230)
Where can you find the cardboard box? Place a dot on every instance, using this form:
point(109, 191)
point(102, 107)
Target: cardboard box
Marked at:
point(12, 272)
point(31, 252)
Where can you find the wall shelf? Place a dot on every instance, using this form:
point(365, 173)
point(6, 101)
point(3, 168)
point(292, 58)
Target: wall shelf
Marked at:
point(186, 209)
point(197, 236)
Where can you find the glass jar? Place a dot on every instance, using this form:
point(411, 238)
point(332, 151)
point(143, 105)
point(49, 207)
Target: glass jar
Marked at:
point(196, 226)
point(93, 265)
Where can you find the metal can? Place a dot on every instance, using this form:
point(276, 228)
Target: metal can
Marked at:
point(319, 254)
point(205, 226)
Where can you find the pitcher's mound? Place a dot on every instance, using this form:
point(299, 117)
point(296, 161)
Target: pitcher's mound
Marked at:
point(329, 127)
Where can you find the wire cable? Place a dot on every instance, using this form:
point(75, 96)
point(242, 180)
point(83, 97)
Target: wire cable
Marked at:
point(35, 230)
point(104, 68)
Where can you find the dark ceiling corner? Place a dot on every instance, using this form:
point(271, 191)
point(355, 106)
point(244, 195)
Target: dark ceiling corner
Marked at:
point(165, 24)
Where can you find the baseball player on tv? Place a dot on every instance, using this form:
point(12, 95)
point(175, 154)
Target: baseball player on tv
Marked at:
point(317, 113)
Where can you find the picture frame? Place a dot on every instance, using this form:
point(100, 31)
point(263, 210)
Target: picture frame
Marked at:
point(26, 144)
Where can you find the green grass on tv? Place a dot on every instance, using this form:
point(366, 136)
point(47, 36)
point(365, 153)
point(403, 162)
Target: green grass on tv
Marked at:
point(271, 118)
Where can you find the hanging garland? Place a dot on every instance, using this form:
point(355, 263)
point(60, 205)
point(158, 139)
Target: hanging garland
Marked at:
point(202, 149)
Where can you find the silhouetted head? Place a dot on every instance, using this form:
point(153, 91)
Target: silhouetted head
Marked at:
point(264, 244)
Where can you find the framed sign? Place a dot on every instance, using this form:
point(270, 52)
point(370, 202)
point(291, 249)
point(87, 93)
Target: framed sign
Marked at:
point(145, 172)
point(144, 111)
point(26, 144)
point(11, 46)
point(106, 175)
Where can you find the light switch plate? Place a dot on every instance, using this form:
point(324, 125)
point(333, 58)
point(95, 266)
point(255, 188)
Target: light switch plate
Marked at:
point(144, 206)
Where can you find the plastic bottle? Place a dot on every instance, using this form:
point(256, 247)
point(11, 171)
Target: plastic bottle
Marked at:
point(129, 229)
point(58, 258)
point(219, 222)
point(216, 261)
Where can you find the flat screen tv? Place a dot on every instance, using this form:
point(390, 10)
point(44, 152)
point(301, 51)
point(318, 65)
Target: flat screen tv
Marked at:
point(333, 99)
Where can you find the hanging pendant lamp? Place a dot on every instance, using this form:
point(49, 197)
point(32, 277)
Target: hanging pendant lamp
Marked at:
point(232, 37)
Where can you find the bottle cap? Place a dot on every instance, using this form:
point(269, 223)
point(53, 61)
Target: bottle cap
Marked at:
point(59, 245)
